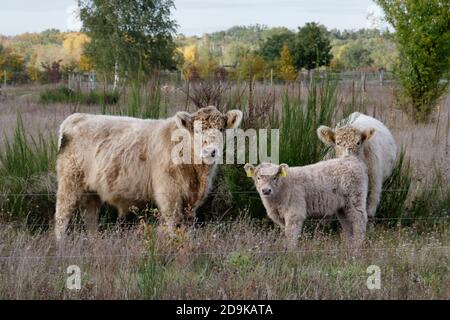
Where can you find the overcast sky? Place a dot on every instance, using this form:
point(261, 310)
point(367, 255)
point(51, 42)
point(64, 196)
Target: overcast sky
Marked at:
point(198, 16)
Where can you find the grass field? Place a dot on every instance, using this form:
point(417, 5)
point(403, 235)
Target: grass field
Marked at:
point(244, 258)
point(241, 260)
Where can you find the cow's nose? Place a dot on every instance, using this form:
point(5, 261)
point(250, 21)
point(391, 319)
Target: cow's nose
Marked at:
point(266, 191)
point(210, 152)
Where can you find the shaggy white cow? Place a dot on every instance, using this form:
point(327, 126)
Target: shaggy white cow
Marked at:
point(336, 186)
point(379, 154)
point(127, 161)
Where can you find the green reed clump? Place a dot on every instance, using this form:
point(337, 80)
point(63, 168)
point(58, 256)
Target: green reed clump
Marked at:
point(145, 101)
point(26, 174)
point(431, 205)
point(392, 208)
point(298, 122)
point(65, 95)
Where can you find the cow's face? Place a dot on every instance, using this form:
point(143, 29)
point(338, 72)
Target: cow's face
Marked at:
point(346, 140)
point(207, 127)
point(268, 177)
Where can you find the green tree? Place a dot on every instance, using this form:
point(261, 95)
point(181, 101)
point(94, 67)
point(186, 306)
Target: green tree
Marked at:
point(271, 48)
point(356, 56)
point(422, 34)
point(128, 36)
point(312, 47)
point(286, 68)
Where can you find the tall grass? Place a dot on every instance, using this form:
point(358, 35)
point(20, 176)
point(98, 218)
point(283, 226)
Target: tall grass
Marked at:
point(298, 122)
point(431, 203)
point(145, 101)
point(26, 173)
point(392, 209)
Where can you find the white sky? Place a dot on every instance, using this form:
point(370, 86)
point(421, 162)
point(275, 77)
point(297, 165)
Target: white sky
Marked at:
point(198, 16)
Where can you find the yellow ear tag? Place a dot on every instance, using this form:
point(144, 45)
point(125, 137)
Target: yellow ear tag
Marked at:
point(283, 172)
point(250, 173)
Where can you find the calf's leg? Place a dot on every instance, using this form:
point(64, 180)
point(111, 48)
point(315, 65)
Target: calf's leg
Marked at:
point(293, 226)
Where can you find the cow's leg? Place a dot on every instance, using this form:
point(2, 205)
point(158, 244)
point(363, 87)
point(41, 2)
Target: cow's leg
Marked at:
point(68, 196)
point(171, 209)
point(346, 224)
point(92, 208)
point(123, 209)
point(374, 194)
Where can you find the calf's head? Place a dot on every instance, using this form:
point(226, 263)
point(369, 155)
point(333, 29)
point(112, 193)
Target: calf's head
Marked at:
point(345, 140)
point(268, 177)
point(207, 127)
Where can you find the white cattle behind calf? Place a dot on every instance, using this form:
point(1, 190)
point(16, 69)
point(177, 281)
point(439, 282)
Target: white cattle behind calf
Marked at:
point(379, 153)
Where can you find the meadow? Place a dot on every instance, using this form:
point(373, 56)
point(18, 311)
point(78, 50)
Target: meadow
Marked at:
point(234, 252)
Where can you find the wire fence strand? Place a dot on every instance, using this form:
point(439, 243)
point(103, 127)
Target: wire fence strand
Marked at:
point(224, 253)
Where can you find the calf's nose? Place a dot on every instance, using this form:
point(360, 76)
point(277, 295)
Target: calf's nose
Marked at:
point(266, 191)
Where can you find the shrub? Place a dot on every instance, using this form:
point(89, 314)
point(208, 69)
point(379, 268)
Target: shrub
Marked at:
point(422, 34)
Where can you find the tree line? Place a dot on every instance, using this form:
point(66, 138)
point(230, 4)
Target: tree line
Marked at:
point(130, 39)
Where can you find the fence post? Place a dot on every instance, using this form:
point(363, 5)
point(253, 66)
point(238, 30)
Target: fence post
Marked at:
point(381, 77)
point(271, 76)
point(363, 82)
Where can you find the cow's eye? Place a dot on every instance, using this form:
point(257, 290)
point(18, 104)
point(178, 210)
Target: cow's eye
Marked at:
point(274, 178)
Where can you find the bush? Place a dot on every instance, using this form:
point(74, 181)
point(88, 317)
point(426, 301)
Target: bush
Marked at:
point(65, 95)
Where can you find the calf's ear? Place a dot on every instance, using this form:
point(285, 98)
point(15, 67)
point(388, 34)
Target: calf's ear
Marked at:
point(282, 171)
point(234, 119)
point(249, 169)
point(326, 135)
point(184, 120)
point(368, 134)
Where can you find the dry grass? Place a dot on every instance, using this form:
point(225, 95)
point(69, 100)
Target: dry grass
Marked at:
point(241, 260)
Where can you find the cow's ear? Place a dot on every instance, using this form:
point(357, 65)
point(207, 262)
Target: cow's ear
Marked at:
point(234, 119)
point(326, 135)
point(367, 134)
point(184, 120)
point(282, 171)
point(250, 170)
